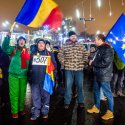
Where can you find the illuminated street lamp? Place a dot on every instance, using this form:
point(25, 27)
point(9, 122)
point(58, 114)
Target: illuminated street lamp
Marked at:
point(77, 13)
point(73, 28)
point(84, 20)
point(65, 27)
point(17, 26)
point(5, 24)
point(98, 32)
point(99, 3)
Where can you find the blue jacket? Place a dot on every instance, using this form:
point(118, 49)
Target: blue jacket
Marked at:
point(37, 72)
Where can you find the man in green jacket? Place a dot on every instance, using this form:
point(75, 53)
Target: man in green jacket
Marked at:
point(17, 73)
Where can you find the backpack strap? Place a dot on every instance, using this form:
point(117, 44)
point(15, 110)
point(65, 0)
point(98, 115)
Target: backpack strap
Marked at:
point(13, 53)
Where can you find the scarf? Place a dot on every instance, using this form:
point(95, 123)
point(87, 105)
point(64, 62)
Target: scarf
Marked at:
point(24, 57)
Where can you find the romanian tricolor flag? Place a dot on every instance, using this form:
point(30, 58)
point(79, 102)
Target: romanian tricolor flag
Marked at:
point(36, 13)
point(49, 77)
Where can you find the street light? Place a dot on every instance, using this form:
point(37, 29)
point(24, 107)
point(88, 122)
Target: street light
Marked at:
point(84, 20)
point(98, 32)
point(17, 26)
point(5, 24)
point(99, 3)
point(73, 28)
point(77, 13)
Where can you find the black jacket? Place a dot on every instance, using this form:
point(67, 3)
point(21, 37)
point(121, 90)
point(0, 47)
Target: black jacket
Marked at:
point(102, 64)
point(4, 64)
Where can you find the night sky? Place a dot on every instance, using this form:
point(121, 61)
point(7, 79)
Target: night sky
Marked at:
point(10, 8)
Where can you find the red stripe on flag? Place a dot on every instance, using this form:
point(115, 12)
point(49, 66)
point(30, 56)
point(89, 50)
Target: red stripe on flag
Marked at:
point(55, 19)
point(50, 68)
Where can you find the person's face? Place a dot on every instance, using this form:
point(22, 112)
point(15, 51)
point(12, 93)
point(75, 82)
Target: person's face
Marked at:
point(92, 49)
point(98, 41)
point(48, 47)
point(41, 46)
point(73, 38)
point(21, 42)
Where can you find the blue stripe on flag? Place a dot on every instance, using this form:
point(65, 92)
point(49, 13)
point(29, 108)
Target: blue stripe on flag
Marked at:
point(28, 11)
point(48, 84)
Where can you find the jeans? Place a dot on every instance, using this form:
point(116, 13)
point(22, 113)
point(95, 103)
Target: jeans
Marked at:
point(70, 76)
point(41, 100)
point(107, 92)
point(101, 94)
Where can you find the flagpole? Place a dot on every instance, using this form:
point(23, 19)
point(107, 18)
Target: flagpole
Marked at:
point(12, 27)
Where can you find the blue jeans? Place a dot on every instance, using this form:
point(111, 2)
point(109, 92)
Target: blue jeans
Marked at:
point(70, 76)
point(107, 92)
point(101, 94)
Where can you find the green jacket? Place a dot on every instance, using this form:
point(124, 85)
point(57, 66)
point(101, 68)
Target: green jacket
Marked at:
point(15, 64)
point(119, 64)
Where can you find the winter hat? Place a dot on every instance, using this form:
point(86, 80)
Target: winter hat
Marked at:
point(41, 40)
point(36, 40)
point(21, 37)
point(71, 33)
point(47, 42)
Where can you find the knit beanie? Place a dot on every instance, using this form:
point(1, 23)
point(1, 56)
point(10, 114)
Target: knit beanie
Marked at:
point(42, 40)
point(21, 37)
point(71, 33)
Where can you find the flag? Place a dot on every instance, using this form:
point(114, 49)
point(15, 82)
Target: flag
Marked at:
point(49, 78)
point(116, 37)
point(36, 13)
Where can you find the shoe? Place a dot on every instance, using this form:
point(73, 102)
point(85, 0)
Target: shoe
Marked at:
point(66, 106)
point(120, 94)
point(108, 115)
point(81, 105)
point(45, 117)
point(114, 94)
point(22, 113)
point(103, 99)
point(34, 117)
point(94, 109)
point(74, 95)
point(15, 116)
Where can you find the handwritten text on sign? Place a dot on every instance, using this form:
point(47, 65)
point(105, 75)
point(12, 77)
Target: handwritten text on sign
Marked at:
point(41, 60)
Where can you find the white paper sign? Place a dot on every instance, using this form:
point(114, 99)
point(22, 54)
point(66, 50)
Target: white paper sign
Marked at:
point(41, 60)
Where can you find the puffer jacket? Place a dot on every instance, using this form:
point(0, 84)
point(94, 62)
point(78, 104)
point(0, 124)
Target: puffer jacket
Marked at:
point(73, 56)
point(103, 63)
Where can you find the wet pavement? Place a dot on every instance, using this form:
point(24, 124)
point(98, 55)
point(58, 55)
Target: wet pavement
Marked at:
point(73, 116)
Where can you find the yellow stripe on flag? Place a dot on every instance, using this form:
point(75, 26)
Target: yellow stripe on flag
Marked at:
point(44, 11)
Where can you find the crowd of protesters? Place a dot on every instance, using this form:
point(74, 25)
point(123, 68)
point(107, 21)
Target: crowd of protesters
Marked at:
point(18, 66)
